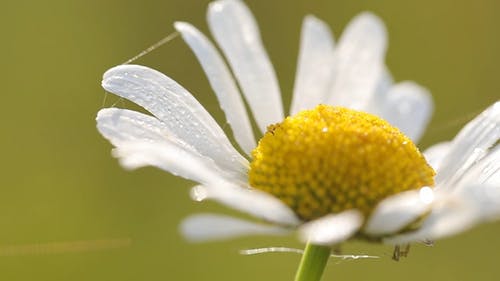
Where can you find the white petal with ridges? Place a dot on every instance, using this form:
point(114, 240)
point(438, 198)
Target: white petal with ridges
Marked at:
point(181, 113)
point(408, 107)
point(485, 172)
point(209, 227)
point(456, 212)
point(314, 68)
point(331, 229)
point(398, 211)
point(359, 62)
point(123, 125)
point(450, 215)
point(235, 30)
point(172, 158)
point(250, 201)
point(124, 128)
point(222, 83)
point(469, 146)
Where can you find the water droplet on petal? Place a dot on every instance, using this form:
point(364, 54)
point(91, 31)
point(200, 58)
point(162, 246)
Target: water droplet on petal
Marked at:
point(198, 193)
point(426, 195)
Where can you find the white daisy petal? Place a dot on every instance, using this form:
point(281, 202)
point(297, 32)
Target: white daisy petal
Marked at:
point(408, 107)
point(181, 113)
point(487, 198)
point(396, 212)
point(331, 229)
point(447, 218)
point(456, 212)
point(123, 125)
point(236, 32)
point(171, 158)
point(485, 171)
point(481, 201)
point(470, 145)
point(384, 84)
point(436, 153)
point(314, 68)
point(376, 105)
point(222, 83)
point(209, 227)
point(250, 201)
point(359, 62)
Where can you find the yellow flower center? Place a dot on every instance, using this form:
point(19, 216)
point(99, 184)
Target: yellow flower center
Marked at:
point(330, 159)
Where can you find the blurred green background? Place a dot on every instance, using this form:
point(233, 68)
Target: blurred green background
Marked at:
point(59, 183)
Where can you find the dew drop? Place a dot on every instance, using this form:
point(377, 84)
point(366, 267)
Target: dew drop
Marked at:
point(198, 193)
point(426, 195)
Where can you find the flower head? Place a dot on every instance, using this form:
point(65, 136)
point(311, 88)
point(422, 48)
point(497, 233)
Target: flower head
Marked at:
point(342, 165)
point(332, 159)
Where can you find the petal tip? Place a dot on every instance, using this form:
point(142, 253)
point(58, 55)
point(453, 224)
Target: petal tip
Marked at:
point(332, 229)
point(181, 26)
point(369, 20)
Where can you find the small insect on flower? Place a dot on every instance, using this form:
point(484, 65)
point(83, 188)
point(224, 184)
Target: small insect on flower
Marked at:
point(342, 165)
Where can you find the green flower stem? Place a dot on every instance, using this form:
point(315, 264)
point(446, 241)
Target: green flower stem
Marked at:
point(313, 263)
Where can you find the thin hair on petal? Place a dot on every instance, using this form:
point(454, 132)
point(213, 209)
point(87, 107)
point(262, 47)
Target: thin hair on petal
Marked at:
point(267, 250)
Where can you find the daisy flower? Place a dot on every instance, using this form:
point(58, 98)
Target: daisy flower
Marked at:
point(342, 165)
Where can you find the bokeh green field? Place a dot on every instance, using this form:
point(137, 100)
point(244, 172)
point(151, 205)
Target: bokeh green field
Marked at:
point(59, 183)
